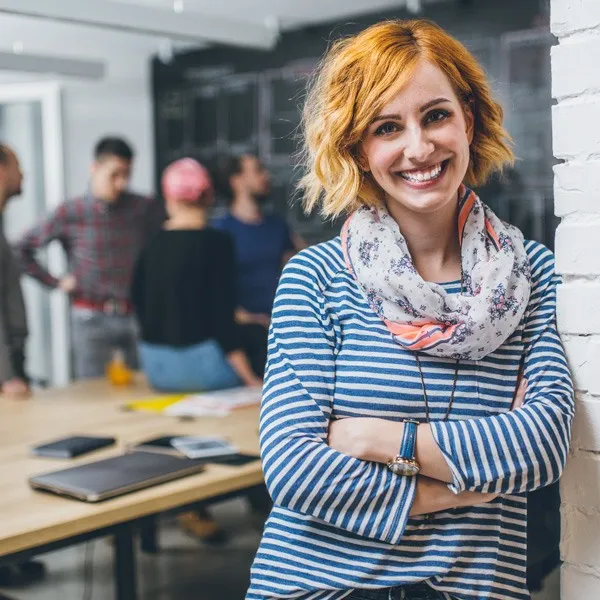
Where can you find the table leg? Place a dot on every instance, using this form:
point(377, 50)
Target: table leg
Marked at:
point(125, 572)
point(149, 535)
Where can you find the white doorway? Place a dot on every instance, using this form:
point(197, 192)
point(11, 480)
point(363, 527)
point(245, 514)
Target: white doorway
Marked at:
point(31, 124)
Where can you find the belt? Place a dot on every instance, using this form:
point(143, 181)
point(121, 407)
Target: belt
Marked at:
point(419, 591)
point(111, 307)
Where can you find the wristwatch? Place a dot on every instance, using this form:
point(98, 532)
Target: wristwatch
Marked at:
point(405, 463)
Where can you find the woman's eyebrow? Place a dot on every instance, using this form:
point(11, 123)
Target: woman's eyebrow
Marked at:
point(393, 116)
point(433, 103)
point(398, 116)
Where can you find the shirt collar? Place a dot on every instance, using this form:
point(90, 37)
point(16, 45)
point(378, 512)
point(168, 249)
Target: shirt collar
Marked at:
point(102, 205)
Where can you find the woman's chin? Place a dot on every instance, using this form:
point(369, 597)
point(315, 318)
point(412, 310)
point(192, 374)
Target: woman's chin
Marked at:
point(423, 202)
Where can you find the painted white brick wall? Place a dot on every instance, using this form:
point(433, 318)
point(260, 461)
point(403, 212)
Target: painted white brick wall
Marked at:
point(577, 187)
point(579, 141)
point(576, 138)
point(578, 310)
point(578, 583)
point(579, 243)
point(574, 16)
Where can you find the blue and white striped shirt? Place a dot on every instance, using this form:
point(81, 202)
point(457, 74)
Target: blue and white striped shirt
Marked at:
point(340, 524)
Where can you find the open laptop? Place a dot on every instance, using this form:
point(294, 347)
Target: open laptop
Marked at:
point(111, 477)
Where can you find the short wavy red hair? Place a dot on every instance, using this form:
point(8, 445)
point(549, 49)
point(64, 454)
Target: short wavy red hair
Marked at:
point(356, 78)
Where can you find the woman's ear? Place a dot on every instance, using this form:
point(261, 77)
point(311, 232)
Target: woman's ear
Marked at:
point(469, 120)
point(361, 159)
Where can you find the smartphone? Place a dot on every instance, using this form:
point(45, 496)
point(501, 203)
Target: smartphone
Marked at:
point(203, 447)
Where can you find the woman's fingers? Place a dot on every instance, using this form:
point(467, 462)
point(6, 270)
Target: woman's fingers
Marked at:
point(474, 498)
point(519, 394)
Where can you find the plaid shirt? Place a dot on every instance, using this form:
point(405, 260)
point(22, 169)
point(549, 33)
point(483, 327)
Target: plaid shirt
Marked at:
point(102, 242)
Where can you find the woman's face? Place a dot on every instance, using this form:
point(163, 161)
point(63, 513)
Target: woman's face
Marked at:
point(417, 147)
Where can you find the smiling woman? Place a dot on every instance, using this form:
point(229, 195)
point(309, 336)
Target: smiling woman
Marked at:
point(416, 386)
point(355, 94)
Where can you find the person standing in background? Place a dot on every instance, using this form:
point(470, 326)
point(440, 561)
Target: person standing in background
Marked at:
point(13, 335)
point(263, 244)
point(102, 233)
point(13, 322)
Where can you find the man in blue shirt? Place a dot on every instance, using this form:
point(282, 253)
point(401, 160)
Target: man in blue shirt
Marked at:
point(263, 242)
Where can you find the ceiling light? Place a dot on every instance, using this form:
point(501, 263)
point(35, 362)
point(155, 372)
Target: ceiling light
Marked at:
point(166, 51)
point(56, 65)
point(414, 6)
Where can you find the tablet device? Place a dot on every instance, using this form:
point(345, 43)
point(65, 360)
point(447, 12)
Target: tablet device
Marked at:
point(72, 446)
point(161, 445)
point(115, 476)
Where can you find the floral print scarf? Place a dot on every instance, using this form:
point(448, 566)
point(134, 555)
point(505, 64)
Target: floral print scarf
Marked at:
point(421, 315)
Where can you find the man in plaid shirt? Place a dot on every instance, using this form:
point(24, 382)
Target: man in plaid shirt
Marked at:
point(102, 233)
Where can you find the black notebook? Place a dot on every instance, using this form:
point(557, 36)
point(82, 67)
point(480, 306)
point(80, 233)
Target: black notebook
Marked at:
point(73, 446)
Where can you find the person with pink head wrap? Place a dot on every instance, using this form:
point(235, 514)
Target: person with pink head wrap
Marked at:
point(183, 292)
point(186, 181)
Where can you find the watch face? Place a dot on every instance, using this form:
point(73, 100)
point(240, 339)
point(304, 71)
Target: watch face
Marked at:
point(407, 468)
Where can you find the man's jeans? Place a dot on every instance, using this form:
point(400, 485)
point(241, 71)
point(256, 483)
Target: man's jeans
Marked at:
point(96, 336)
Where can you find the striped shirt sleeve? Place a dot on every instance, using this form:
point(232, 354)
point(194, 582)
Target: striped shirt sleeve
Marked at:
point(527, 448)
point(302, 472)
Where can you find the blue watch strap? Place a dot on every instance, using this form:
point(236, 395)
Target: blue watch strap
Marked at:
point(409, 440)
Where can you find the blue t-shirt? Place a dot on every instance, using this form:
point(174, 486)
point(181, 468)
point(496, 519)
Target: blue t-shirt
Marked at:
point(259, 249)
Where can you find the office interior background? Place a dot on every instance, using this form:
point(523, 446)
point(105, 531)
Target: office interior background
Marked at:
point(65, 84)
point(227, 78)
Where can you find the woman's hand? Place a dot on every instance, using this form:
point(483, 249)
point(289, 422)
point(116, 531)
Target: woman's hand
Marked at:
point(241, 365)
point(365, 438)
point(243, 317)
point(378, 440)
point(434, 496)
point(352, 437)
point(520, 392)
point(254, 382)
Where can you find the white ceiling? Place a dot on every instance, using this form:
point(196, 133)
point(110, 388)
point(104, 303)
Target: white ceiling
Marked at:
point(292, 13)
point(41, 36)
point(117, 48)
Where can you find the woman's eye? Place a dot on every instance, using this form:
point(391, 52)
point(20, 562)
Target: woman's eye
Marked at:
point(386, 129)
point(437, 115)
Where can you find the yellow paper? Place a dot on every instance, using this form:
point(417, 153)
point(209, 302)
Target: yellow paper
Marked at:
point(154, 405)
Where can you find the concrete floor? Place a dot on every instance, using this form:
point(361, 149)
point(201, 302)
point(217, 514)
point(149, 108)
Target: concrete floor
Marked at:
point(183, 570)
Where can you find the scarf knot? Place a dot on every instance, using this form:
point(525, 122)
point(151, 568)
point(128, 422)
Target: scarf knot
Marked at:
point(421, 315)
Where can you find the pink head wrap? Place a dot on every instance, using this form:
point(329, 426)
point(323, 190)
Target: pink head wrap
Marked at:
point(186, 180)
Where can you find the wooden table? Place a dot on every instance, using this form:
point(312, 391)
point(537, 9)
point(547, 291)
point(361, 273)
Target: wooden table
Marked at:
point(33, 522)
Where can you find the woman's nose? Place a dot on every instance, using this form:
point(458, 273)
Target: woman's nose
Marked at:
point(418, 145)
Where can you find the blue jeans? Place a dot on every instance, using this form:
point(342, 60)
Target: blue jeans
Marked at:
point(197, 368)
point(419, 591)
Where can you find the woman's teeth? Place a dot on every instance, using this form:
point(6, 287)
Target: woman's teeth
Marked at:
point(421, 176)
